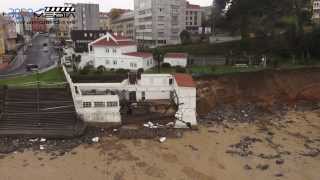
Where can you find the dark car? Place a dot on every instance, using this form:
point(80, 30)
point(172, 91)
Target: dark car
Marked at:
point(32, 67)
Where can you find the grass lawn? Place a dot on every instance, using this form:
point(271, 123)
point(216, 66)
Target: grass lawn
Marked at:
point(210, 70)
point(52, 76)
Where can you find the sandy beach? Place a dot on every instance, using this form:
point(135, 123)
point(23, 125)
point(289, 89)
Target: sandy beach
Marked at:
point(280, 150)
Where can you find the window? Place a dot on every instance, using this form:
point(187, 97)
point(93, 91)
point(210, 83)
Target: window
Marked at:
point(170, 81)
point(133, 65)
point(115, 62)
point(112, 104)
point(91, 34)
point(114, 50)
point(107, 50)
point(85, 35)
point(87, 104)
point(99, 104)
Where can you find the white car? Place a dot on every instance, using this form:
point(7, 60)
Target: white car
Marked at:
point(45, 49)
point(67, 63)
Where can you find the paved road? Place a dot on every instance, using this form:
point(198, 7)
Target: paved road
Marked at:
point(33, 55)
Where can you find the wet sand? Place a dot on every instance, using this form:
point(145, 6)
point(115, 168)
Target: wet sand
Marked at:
point(198, 155)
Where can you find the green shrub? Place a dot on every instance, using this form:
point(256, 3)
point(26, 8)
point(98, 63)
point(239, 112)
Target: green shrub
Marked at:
point(122, 71)
point(180, 69)
point(166, 65)
point(100, 70)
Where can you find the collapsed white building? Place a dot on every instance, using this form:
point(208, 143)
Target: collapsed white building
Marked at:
point(101, 102)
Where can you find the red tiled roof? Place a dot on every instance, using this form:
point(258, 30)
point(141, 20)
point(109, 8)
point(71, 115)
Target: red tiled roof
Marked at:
point(105, 42)
point(184, 80)
point(176, 55)
point(139, 54)
point(192, 6)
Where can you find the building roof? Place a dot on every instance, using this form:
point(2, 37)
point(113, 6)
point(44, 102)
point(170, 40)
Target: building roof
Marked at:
point(184, 80)
point(113, 40)
point(192, 6)
point(139, 54)
point(85, 34)
point(176, 55)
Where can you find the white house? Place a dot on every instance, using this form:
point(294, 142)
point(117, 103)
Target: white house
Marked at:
point(176, 59)
point(100, 102)
point(113, 51)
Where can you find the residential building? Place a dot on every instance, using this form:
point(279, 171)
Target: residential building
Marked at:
point(87, 16)
point(81, 38)
point(114, 51)
point(176, 59)
point(207, 20)
point(10, 34)
point(2, 37)
point(65, 25)
point(193, 18)
point(316, 11)
point(104, 21)
point(38, 24)
point(104, 105)
point(159, 22)
point(124, 25)
point(23, 25)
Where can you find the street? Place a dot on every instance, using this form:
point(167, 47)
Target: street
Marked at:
point(33, 55)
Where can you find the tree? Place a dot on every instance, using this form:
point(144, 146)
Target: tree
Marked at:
point(157, 55)
point(115, 13)
point(185, 37)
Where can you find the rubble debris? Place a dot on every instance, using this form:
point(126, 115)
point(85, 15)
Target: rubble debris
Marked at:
point(271, 156)
point(278, 175)
point(243, 147)
point(279, 161)
point(247, 167)
point(162, 139)
point(311, 153)
point(192, 147)
point(95, 139)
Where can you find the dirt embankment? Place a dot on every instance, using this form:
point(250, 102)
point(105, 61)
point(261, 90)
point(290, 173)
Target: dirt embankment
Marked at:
point(262, 88)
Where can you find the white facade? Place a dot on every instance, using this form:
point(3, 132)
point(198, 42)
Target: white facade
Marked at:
point(105, 108)
point(159, 22)
point(113, 52)
point(316, 11)
point(176, 59)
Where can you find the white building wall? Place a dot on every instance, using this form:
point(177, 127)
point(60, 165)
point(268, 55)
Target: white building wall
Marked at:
point(187, 106)
point(99, 114)
point(176, 61)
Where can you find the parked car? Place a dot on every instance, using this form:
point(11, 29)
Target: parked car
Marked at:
point(32, 67)
point(67, 64)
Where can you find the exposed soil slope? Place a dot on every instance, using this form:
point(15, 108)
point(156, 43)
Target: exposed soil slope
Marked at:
point(263, 88)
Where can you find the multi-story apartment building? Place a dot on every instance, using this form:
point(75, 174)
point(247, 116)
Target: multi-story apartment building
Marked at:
point(316, 11)
point(193, 17)
point(66, 24)
point(38, 24)
point(87, 16)
point(104, 21)
point(159, 22)
point(10, 34)
point(124, 25)
point(2, 37)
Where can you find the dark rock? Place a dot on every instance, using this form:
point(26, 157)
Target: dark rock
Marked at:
point(247, 167)
point(262, 166)
point(279, 161)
